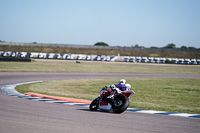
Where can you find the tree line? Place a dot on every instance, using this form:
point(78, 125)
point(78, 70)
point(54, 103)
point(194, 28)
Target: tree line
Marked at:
point(171, 45)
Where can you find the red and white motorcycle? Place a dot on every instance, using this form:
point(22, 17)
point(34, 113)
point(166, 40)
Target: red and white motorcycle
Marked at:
point(118, 104)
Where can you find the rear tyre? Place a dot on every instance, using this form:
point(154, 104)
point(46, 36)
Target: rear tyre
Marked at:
point(95, 104)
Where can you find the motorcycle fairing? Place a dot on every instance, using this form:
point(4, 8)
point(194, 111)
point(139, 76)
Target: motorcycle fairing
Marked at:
point(105, 107)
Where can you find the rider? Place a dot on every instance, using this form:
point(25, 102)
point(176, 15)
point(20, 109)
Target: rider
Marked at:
point(122, 85)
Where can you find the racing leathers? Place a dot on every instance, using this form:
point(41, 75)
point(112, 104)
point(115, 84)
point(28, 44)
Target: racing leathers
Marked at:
point(122, 87)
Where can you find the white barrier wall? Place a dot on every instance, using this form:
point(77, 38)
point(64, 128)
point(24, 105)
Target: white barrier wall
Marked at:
point(99, 58)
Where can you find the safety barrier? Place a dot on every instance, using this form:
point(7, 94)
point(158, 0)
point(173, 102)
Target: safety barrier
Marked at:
point(118, 58)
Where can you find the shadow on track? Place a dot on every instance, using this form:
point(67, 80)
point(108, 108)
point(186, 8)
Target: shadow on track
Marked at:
point(100, 111)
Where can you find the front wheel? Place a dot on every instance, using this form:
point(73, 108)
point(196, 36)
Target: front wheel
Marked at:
point(95, 104)
point(121, 103)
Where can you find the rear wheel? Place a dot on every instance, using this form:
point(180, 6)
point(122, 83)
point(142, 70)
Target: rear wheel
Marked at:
point(95, 104)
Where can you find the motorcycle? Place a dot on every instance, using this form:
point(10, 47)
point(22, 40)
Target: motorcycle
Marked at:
point(117, 104)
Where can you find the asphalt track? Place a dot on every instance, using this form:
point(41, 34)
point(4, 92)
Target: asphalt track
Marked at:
point(21, 115)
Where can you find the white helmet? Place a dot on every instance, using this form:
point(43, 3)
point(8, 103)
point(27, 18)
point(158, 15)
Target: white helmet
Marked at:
point(122, 81)
point(128, 86)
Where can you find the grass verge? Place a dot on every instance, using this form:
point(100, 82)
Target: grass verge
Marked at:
point(84, 66)
point(173, 95)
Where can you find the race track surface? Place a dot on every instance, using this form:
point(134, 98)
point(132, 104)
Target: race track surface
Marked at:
point(21, 115)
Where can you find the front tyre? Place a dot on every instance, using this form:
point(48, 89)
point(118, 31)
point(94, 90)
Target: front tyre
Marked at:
point(95, 104)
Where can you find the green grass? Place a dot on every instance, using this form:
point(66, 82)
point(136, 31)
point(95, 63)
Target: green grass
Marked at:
point(84, 66)
point(163, 94)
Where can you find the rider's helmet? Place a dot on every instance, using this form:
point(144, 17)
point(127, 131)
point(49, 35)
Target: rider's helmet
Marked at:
point(128, 86)
point(122, 81)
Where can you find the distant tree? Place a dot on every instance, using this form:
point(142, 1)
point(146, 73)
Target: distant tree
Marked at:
point(171, 45)
point(192, 48)
point(153, 47)
point(138, 46)
point(183, 47)
point(101, 44)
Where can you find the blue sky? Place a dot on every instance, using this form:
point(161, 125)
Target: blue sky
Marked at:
point(116, 22)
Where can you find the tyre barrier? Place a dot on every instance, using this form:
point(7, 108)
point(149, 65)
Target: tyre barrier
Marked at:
point(118, 58)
